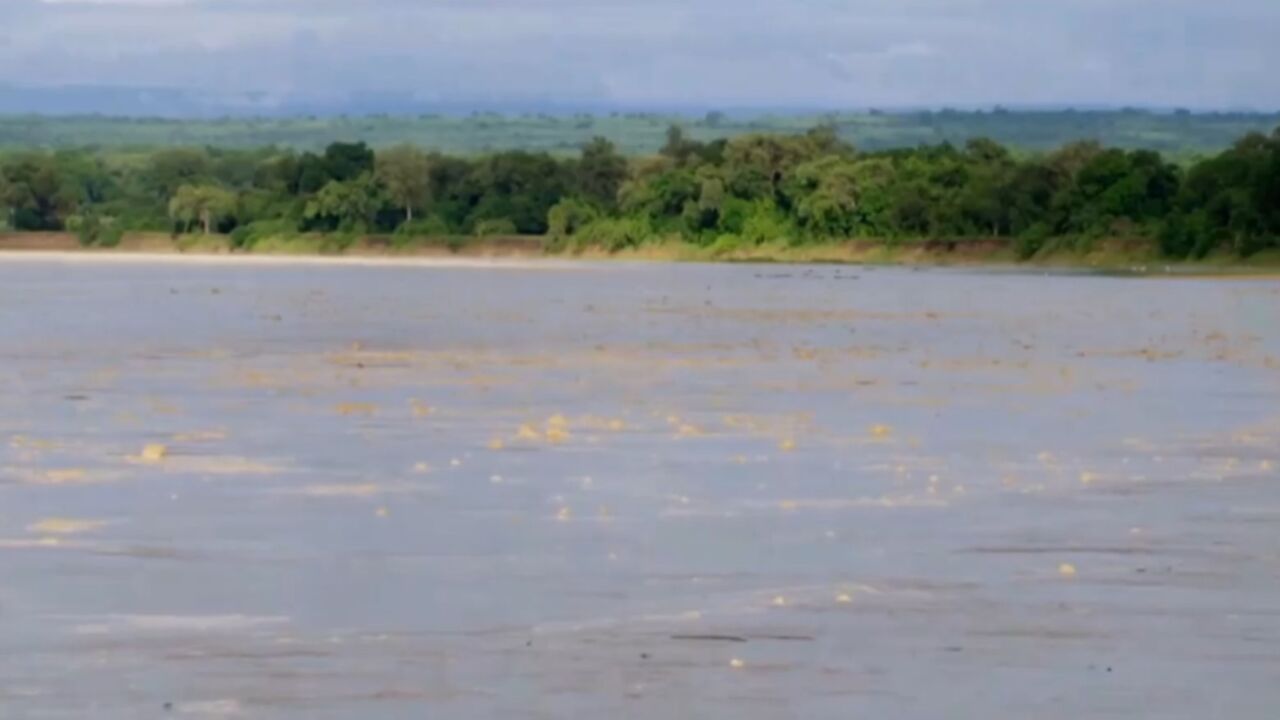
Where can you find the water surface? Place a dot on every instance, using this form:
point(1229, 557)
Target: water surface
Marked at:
point(647, 491)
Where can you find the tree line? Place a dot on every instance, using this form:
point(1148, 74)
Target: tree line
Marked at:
point(728, 193)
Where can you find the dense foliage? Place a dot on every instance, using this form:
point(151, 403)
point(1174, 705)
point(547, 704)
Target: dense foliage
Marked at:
point(723, 194)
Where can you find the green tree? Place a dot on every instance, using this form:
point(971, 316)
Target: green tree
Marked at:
point(168, 170)
point(756, 166)
point(6, 201)
point(313, 174)
point(678, 147)
point(346, 206)
point(600, 172)
point(824, 193)
point(205, 204)
point(568, 216)
point(405, 171)
point(39, 197)
point(517, 185)
point(348, 161)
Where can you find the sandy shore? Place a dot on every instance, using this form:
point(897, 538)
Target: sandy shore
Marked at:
point(154, 256)
point(208, 259)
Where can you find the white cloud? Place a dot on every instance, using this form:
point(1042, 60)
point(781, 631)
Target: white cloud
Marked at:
point(730, 52)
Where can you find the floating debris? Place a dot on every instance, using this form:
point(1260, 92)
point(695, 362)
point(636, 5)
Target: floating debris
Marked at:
point(154, 453)
point(528, 432)
point(65, 526)
point(688, 431)
point(881, 432)
point(496, 444)
point(1067, 570)
point(737, 664)
point(787, 445)
point(200, 436)
point(25, 443)
point(844, 598)
point(73, 476)
point(348, 409)
point(564, 515)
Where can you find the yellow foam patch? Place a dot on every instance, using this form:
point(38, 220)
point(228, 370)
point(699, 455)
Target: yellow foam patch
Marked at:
point(332, 491)
point(64, 477)
point(688, 431)
point(64, 526)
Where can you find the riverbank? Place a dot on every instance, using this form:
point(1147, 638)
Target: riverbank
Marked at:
point(1103, 255)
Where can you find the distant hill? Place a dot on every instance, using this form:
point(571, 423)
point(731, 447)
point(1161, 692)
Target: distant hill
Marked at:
point(134, 118)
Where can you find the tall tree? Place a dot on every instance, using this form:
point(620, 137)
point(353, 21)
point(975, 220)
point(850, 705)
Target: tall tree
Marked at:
point(350, 206)
point(170, 169)
point(39, 197)
point(406, 173)
point(6, 201)
point(600, 173)
point(348, 161)
point(206, 204)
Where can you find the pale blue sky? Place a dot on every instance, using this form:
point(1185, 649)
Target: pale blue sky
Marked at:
point(841, 53)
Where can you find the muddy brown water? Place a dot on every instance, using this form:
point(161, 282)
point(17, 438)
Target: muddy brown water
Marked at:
point(644, 491)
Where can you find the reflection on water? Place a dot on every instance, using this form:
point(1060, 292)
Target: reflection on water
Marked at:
point(654, 491)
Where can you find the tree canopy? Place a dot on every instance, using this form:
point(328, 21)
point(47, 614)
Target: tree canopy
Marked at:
point(754, 188)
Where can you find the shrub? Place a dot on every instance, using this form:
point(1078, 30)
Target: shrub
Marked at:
point(246, 237)
point(93, 230)
point(765, 224)
point(613, 235)
point(429, 226)
point(1032, 240)
point(725, 244)
point(568, 216)
point(494, 227)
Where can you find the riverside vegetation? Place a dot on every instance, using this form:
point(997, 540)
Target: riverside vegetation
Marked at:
point(753, 195)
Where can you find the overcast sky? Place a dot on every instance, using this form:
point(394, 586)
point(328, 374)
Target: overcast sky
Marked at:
point(834, 53)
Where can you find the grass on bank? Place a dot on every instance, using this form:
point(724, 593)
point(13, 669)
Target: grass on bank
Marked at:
point(1087, 253)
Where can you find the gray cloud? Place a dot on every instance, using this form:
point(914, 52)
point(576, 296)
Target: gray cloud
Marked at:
point(853, 53)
